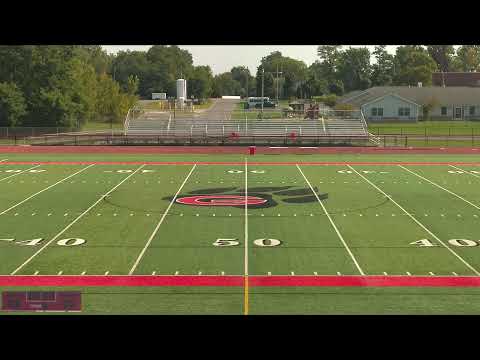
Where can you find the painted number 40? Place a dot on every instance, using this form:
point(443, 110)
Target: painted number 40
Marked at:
point(34, 242)
point(454, 242)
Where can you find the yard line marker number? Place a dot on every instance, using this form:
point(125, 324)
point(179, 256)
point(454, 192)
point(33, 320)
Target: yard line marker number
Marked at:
point(19, 173)
point(417, 222)
point(440, 187)
point(47, 188)
point(464, 171)
point(160, 223)
point(74, 221)
point(332, 223)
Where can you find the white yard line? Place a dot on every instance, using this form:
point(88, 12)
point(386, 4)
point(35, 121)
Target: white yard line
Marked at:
point(416, 221)
point(19, 173)
point(465, 171)
point(3, 160)
point(440, 187)
point(75, 221)
point(331, 222)
point(246, 220)
point(47, 188)
point(160, 223)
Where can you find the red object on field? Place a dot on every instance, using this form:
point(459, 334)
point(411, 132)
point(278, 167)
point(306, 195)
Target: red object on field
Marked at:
point(293, 135)
point(252, 149)
point(234, 135)
point(50, 301)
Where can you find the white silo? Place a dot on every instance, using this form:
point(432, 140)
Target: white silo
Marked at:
point(181, 91)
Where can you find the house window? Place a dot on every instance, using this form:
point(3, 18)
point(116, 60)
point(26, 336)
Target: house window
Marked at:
point(444, 110)
point(403, 111)
point(472, 110)
point(377, 111)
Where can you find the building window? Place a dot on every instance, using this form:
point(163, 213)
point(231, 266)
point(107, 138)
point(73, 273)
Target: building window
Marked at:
point(403, 111)
point(444, 110)
point(377, 111)
point(472, 110)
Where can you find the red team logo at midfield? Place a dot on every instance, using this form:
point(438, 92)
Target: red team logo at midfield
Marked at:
point(221, 200)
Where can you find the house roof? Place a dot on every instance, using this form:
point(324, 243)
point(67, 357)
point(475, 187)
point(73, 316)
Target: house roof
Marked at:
point(392, 94)
point(456, 78)
point(420, 95)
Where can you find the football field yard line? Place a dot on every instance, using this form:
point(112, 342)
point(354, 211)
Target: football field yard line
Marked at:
point(47, 188)
point(245, 300)
point(332, 223)
point(21, 172)
point(440, 187)
point(3, 160)
point(74, 221)
point(160, 223)
point(465, 171)
point(416, 221)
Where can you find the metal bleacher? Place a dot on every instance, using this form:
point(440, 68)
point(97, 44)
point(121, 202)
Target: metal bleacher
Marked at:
point(330, 124)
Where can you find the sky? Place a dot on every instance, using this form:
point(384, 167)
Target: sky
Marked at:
point(221, 58)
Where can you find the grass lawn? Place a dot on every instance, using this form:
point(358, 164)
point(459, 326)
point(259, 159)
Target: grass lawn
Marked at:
point(93, 125)
point(306, 220)
point(427, 127)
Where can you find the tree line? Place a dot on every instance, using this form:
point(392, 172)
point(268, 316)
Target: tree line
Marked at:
point(61, 86)
point(71, 85)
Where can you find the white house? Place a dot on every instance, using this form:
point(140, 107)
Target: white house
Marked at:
point(404, 103)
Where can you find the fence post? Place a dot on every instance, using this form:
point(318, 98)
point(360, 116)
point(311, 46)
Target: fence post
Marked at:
point(406, 140)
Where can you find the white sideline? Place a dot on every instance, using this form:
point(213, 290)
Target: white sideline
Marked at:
point(416, 221)
point(331, 222)
point(41, 191)
point(465, 171)
point(440, 187)
point(160, 223)
point(246, 220)
point(74, 221)
point(19, 173)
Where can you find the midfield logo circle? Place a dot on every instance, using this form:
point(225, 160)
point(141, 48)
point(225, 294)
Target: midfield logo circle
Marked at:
point(221, 200)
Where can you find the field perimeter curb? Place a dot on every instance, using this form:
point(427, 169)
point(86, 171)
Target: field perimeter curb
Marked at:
point(238, 281)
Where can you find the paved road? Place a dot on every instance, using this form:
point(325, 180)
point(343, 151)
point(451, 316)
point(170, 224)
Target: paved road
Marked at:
point(220, 110)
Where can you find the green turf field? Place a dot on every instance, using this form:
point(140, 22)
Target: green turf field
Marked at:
point(338, 220)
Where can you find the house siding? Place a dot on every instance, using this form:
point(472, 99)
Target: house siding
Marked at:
point(390, 105)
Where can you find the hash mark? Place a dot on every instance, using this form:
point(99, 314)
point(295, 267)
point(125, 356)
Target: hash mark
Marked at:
point(315, 273)
point(199, 273)
point(454, 273)
point(107, 272)
point(431, 273)
point(223, 272)
point(153, 273)
point(60, 272)
point(83, 273)
point(409, 274)
point(291, 272)
point(269, 273)
point(177, 272)
point(385, 273)
point(339, 273)
point(36, 272)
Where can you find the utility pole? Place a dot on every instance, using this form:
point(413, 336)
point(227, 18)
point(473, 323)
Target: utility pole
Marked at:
point(263, 77)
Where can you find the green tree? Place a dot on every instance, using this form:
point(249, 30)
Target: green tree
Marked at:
point(383, 69)
point(354, 69)
point(413, 64)
point(12, 104)
point(468, 58)
point(443, 55)
point(200, 83)
point(225, 84)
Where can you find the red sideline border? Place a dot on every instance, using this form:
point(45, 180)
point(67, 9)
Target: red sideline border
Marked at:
point(279, 163)
point(238, 281)
point(218, 149)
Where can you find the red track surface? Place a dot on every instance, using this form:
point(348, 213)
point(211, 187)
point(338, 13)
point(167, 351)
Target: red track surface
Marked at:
point(319, 163)
point(238, 281)
point(227, 150)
